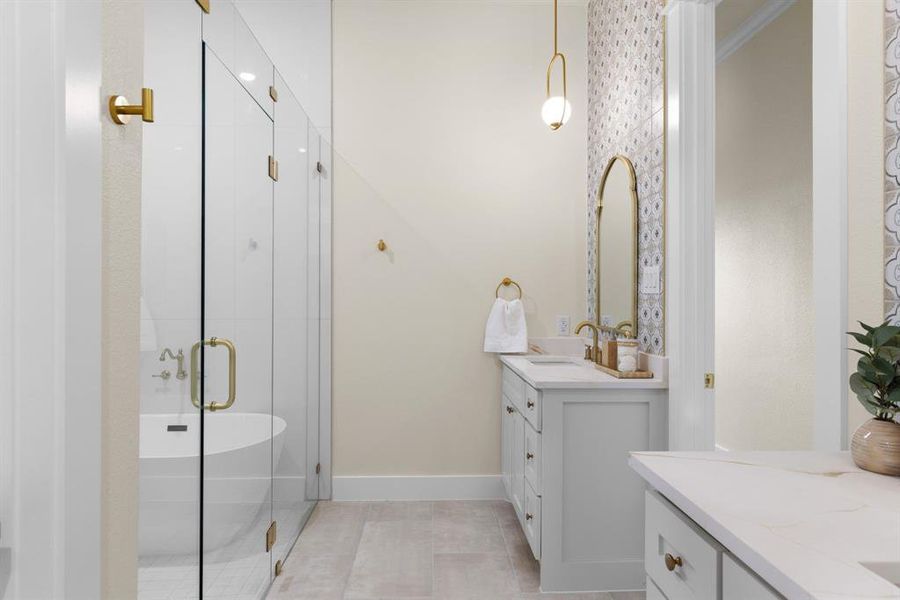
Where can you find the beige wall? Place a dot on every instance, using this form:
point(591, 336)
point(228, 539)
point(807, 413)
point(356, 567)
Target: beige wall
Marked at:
point(440, 150)
point(865, 137)
point(123, 35)
point(764, 307)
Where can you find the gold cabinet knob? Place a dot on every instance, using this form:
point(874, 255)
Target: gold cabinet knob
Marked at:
point(509, 409)
point(529, 456)
point(382, 246)
point(673, 561)
point(528, 516)
point(530, 404)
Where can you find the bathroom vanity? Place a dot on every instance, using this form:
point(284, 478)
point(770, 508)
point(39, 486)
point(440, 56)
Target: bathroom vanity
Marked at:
point(768, 525)
point(567, 429)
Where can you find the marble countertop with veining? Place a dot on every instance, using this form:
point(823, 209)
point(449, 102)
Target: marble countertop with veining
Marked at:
point(804, 521)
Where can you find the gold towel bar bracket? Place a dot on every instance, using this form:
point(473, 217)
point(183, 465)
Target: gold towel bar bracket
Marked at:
point(508, 282)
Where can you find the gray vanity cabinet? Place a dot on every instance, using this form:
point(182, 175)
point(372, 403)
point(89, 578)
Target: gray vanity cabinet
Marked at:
point(564, 459)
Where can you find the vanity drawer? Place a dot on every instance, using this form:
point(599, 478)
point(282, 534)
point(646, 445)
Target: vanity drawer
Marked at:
point(740, 583)
point(531, 522)
point(682, 559)
point(532, 458)
point(514, 389)
point(532, 409)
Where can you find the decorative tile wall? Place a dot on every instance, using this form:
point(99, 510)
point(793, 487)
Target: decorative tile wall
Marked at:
point(892, 160)
point(625, 116)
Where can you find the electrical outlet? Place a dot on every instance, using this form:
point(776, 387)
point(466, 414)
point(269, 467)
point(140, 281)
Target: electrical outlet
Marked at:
point(562, 324)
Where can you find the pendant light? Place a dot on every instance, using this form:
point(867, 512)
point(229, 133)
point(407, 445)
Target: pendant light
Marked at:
point(556, 109)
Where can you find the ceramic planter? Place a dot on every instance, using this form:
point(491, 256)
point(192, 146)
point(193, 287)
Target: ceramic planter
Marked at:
point(876, 447)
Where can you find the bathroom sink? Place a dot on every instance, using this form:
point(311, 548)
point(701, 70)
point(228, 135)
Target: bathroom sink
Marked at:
point(886, 570)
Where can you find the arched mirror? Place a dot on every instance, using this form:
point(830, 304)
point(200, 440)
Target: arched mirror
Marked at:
point(617, 249)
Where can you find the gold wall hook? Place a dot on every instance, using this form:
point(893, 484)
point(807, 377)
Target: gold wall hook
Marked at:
point(120, 111)
point(381, 246)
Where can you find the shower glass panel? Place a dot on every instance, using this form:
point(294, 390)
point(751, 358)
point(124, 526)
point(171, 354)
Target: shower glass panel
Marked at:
point(295, 344)
point(232, 309)
point(237, 278)
point(171, 214)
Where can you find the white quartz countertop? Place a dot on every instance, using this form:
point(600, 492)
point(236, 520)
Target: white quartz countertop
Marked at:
point(567, 372)
point(804, 521)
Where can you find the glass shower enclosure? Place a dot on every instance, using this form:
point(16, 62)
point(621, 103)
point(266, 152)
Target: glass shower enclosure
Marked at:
point(235, 191)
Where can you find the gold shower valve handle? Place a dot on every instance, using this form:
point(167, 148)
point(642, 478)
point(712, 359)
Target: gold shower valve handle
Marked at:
point(120, 111)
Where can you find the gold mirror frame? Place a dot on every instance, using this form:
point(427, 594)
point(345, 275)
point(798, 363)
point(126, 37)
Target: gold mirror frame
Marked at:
point(620, 328)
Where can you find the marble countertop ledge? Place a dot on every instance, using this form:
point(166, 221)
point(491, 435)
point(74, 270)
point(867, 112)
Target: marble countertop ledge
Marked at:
point(582, 374)
point(804, 521)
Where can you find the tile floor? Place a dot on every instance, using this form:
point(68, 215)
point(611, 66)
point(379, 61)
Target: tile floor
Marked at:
point(459, 550)
point(236, 571)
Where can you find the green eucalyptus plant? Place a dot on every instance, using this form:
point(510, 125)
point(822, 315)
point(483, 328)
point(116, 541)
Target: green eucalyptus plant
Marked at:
point(876, 382)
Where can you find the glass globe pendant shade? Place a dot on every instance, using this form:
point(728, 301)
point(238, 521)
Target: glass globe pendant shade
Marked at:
point(556, 111)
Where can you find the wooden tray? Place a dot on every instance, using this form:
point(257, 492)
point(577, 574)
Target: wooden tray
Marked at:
point(624, 375)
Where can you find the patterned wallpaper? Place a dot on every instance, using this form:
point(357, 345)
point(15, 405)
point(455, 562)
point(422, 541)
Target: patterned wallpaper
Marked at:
point(892, 160)
point(625, 116)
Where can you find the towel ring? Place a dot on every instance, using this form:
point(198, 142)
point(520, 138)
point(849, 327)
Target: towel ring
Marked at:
point(508, 282)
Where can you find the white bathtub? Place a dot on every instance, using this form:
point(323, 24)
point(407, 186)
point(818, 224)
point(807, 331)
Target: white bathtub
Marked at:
point(237, 476)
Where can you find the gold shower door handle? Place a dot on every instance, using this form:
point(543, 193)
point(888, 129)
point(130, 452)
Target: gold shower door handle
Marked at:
point(195, 373)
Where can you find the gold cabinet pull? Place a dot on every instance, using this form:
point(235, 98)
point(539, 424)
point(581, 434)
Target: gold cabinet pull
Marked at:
point(673, 561)
point(232, 373)
point(120, 111)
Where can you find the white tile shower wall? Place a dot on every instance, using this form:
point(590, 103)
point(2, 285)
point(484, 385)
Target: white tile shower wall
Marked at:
point(170, 203)
point(625, 116)
point(892, 160)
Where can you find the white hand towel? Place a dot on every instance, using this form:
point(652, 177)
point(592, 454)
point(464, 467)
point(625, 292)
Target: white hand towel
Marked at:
point(506, 330)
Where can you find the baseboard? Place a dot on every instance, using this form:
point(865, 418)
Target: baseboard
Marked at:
point(417, 487)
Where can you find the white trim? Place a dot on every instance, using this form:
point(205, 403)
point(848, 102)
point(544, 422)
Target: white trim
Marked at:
point(721, 448)
point(82, 260)
point(829, 122)
point(690, 221)
point(767, 13)
point(418, 487)
point(50, 299)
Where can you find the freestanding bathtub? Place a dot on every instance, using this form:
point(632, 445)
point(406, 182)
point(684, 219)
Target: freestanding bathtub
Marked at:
point(241, 453)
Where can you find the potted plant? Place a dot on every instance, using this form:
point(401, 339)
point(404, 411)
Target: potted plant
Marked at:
point(876, 383)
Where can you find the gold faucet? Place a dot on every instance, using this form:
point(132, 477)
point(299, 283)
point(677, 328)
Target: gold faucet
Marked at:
point(180, 373)
point(594, 351)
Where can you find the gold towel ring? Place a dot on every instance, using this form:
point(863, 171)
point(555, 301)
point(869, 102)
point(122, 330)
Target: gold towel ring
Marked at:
point(508, 282)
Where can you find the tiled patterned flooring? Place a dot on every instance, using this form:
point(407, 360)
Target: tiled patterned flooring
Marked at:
point(459, 550)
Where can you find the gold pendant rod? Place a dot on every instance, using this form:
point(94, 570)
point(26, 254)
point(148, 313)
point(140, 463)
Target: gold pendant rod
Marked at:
point(555, 28)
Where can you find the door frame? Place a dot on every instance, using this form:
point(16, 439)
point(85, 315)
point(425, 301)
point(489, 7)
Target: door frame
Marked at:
point(50, 299)
point(690, 221)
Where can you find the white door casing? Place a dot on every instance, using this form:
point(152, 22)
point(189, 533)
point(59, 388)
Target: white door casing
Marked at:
point(690, 226)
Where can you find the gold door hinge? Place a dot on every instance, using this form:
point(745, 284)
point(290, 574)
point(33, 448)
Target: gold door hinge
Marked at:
point(318, 468)
point(709, 381)
point(204, 4)
point(273, 168)
point(271, 536)
point(279, 568)
point(273, 93)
